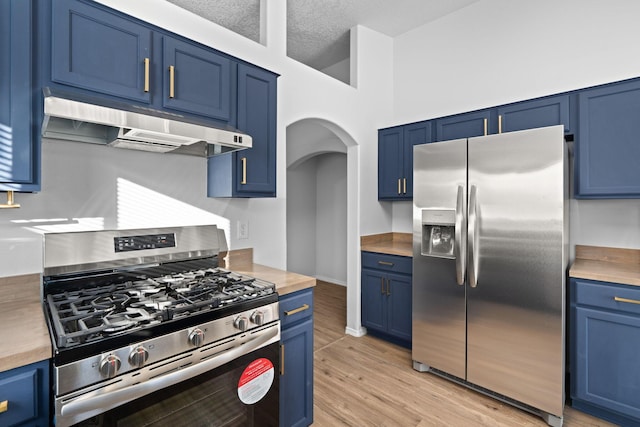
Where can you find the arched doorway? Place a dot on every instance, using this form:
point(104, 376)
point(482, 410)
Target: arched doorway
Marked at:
point(322, 208)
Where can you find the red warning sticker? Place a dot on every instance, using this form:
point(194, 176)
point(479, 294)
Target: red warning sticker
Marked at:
point(255, 381)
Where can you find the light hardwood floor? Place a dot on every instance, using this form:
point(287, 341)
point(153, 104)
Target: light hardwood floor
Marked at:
point(369, 382)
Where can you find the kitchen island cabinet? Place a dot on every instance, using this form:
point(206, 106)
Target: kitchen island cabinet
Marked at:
point(19, 138)
point(296, 370)
point(395, 159)
point(386, 291)
point(608, 148)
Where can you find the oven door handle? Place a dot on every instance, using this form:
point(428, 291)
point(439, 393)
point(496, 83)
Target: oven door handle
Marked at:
point(101, 403)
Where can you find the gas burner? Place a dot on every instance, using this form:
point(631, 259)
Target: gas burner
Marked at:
point(110, 302)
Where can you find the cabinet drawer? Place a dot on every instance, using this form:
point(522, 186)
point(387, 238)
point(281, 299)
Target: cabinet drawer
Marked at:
point(395, 263)
point(296, 307)
point(607, 295)
point(20, 390)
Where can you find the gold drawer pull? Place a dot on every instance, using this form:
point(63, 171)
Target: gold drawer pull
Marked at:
point(4, 406)
point(630, 301)
point(390, 264)
point(297, 310)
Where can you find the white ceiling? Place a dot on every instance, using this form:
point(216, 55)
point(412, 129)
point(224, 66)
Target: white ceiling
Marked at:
point(318, 30)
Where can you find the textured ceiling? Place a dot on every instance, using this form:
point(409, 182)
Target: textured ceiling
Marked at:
point(318, 30)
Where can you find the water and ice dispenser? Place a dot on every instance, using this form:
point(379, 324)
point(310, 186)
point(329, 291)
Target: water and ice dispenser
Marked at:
point(438, 232)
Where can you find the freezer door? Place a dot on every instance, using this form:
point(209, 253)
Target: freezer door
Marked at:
point(516, 267)
point(439, 243)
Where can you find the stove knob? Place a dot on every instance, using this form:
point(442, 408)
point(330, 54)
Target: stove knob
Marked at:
point(196, 337)
point(109, 366)
point(258, 318)
point(138, 357)
point(241, 323)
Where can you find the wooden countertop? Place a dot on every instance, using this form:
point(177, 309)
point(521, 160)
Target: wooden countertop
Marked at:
point(607, 264)
point(241, 261)
point(388, 243)
point(23, 330)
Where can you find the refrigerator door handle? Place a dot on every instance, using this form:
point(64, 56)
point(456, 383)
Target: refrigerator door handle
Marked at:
point(460, 251)
point(472, 237)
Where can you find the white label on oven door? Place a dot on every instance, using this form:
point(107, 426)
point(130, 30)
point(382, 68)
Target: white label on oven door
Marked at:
point(255, 381)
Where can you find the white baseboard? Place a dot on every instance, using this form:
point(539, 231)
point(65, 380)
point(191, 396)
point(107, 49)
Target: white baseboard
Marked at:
point(330, 280)
point(362, 331)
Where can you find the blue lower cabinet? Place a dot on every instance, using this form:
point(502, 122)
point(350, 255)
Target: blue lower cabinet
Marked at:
point(386, 292)
point(296, 371)
point(25, 392)
point(605, 344)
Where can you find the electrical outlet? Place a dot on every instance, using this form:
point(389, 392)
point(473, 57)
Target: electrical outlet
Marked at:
point(243, 229)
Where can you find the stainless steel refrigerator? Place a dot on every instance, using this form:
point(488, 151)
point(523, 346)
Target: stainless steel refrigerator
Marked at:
point(490, 250)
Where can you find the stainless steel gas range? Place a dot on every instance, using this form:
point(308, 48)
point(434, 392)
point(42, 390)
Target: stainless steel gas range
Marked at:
point(147, 329)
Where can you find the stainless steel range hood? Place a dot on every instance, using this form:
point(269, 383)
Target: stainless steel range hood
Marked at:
point(83, 119)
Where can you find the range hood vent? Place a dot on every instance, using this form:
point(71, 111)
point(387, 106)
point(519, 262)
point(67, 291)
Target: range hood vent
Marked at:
point(83, 119)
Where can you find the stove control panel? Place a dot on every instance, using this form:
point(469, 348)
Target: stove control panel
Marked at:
point(150, 241)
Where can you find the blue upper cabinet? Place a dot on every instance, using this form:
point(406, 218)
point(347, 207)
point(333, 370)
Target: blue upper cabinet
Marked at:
point(19, 138)
point(250, 172)
point(550, 111)
point(395, 159)
point(99, 50)
point(465, 125)
point(608, 144)
point(196, 80)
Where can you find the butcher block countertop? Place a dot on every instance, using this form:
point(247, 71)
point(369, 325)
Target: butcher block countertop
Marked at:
point(388, 243)
point(24, 337)
point(607, 264)
point(241, 261)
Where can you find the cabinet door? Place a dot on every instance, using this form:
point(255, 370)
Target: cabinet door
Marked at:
point(255, 170)
point(466, 125)
point(374, 300)
point(608, 145)
point(95, 49)
point(19, 140)
point(399, 310)
point(196, 80)
point(296, 381)
point(537, 113)
point(414, 134)
point(606, 369)
point(390, 165)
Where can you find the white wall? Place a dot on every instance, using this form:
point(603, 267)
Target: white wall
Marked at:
point(499, 51)
point(331, 214)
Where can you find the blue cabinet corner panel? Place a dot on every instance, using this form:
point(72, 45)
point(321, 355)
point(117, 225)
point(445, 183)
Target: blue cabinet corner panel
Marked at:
point(26, 390)
point(296, 376)
point(605, 343)
point(608, 147)
point(95, 49)
point(19, 138)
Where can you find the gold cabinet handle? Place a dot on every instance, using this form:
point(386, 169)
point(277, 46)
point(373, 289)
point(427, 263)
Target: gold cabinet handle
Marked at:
point(10, 202)
point(146, 74)
point(297, 310)
point(387, 263)
point(172, 75)
point(399, 185)
point(486, 125)
point(499, 123)
point(627, 300)
point(404, 185)
point(4, 406)
point(244, 170)
point(281, 359)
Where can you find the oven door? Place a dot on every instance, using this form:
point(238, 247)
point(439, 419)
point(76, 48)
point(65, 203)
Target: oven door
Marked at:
point(235, 386)
point(243, 392)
